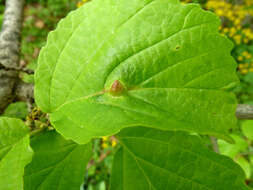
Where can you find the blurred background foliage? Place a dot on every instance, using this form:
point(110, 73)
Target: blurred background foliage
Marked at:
point(42, 16)
point(237, 24)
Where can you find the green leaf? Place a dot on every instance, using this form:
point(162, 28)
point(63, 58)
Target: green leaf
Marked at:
point(155, 63)
point(15, 153)
point(57, 163)
point(245, 165)
point(249, 78)
point(16, 110)
point(232, 150)
point(158, 160)
point(247, 129)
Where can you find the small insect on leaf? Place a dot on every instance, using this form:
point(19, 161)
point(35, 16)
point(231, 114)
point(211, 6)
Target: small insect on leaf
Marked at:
point(117, 88)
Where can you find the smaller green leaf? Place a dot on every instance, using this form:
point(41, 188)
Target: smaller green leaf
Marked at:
point(101, 186)
point(15, 153)
point(57, 163)
point(247, 129)
point(232, 150)
point(249, 78)
point(161, 160)
point(245, 165)
point(16, 110)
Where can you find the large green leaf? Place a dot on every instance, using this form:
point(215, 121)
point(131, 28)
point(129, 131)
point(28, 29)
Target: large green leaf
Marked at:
point(157, 160)
point(15, 153)
point(155, 63)
point(57, 163)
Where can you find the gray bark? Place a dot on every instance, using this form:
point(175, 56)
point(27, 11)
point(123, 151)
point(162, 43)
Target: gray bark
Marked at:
point(215, 144)
point(10, 50)
point(244, 111)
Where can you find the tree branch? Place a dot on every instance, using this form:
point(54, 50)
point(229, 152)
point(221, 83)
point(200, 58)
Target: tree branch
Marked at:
point(215, 144)
point(24, 91)
point(10, 50)
point(244, 111)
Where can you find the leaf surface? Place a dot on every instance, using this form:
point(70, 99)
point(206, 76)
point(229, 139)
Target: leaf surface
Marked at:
point(157, 160)
point(57, 163)
point(247, 129)
point(232, 150)
point(172, 66)
point(15, 153)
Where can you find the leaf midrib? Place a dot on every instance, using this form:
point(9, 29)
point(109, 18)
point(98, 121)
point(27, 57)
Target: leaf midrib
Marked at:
point(134, 89)
point(104, 91)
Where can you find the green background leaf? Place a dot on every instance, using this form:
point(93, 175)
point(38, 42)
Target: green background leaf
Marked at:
point(57, 163)
point(16, 110)
point(235, 151)
point(15, 153)
point(169, 57)
point(245, 165)
point(232, 150)
point(159, 160)
point(247, 129)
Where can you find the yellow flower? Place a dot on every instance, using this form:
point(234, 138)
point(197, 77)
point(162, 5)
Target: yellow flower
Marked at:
point(233, 18)
point(80, 3)
point(237, 39)
point(248, 2)
point(248, 56)
point(219, 12)
point(244, 71)
point(229, 14)
point(248, 33)
point(237, 21)
point(241, 66)
point(225, 30)
point(239, 27)
point(245, 53)
point(246, 40)
point(114, 143)
point(240, 58)
point(105, 138)
point(232, 31)
point(105, 145)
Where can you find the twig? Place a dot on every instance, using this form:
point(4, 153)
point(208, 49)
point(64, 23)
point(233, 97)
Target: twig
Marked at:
point(244, 111)
point(215, 144)
point(18, 69)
